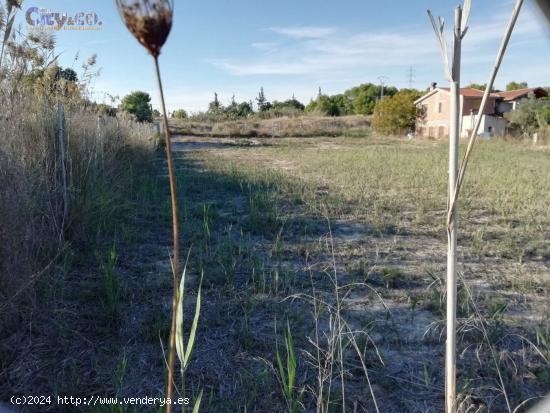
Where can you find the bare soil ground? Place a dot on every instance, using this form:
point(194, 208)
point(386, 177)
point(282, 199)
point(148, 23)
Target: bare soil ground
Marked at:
point(341, 240)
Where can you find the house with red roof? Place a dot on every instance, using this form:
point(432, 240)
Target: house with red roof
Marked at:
point(434, 111)
point(509, 100)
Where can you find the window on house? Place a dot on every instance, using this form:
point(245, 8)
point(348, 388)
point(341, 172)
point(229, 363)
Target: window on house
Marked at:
point(439, 107)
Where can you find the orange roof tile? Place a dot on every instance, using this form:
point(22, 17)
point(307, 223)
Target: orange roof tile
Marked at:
point(519, 93)
point(469, 92)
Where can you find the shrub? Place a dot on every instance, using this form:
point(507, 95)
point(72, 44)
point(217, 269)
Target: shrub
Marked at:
point(179, 114)
point(531, 115)
point(138, 104)
point(395, 114)
point(325, 106)
point(363, 98)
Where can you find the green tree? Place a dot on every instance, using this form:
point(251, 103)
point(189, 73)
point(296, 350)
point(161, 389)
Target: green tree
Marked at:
point(364, 97)
point(67, 74)
point(262, 102)
point(179, 114)
point(215, 106)
point(244, 109)
point(396, 114)
point(531, 114)
point(238, 110)
point(138, 103)
point(289, 104)
point(324, 105)
point(543, 113)
point(480, 86)
point(516, 85)
point(343, 103)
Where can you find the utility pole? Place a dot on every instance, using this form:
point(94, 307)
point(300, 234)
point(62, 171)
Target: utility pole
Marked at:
point(382, 80)
point(411, 77)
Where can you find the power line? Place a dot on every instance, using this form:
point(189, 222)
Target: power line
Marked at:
point(411, 77)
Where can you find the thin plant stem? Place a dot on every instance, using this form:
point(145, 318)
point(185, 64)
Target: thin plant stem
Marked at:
point(338, 316)
point(473, 136)
point(454, 132)
point(176, 252)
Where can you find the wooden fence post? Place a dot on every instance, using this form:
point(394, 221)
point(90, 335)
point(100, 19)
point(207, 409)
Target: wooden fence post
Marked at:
point(61, 142)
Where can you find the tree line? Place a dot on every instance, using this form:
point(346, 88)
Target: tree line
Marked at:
point(393, 111)
point(359, 100)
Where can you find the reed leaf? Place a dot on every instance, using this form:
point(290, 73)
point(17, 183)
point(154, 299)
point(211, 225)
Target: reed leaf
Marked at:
point(183, 350)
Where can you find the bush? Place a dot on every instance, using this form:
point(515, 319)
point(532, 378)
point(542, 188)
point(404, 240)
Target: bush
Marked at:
point(363, 98)
point(531, 115)
point(138, 104)
point(179, 114)
point(326, 106)
point(395, 114)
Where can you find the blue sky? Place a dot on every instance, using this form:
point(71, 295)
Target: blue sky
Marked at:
point(293, 47)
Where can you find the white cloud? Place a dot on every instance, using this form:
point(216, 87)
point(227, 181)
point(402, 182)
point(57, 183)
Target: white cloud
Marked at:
point(336, 53)
point(266, 46)
point(304, 32)
point(324, 52)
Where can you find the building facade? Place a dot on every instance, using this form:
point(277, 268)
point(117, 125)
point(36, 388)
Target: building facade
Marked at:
point(434, 111)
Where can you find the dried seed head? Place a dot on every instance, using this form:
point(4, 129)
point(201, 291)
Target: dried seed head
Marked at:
point(13, 3)
point(149, 21)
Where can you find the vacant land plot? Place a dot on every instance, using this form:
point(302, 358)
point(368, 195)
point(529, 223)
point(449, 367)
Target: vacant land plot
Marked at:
point(342, 242)
point(323, 265)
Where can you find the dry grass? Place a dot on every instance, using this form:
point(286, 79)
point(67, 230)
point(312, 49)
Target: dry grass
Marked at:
point(384, 199)
point(303, 126)
point(33, 235)
point(341, 238)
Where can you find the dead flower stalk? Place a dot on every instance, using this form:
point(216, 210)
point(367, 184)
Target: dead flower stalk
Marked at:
point(150, 21)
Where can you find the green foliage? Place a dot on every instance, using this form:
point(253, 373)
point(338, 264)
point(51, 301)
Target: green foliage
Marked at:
point(103, 109)
point(68, 74)
point(138, 103)
point(391, 276)
point(183, 350)
point(215, 106)
point(516, 85)
point(244, 109)
point(238, 110)
point(359, 100)
point(324, 105)
point(543, 113)
point(112, 290)
point(344, 104)
point(263, 104)
point(396, 114)
point(480, 86)
point(287, 372)
point(531, 114)
point(365, 96)
point(179, 114)
point(290, 104)
point(477, 86)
